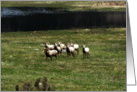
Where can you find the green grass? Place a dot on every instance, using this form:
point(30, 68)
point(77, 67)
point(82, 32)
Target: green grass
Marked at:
point(104, 71)
point(70, 5)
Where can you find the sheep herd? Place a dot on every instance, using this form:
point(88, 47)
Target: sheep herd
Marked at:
point(55, 49)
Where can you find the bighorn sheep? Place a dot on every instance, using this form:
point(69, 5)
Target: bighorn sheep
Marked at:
point(58, 48)
point(50, 53)
point(85, 52)
point(70, 50)
point(47, 45)
point(63, 46)
point(76, 47)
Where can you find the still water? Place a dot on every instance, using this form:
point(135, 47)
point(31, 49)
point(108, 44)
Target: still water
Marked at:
point(30, 19)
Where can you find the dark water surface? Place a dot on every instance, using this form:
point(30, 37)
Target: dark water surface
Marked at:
point(30, 19)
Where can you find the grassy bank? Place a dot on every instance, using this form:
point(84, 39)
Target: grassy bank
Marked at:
point(70, 5)
point(104, 71)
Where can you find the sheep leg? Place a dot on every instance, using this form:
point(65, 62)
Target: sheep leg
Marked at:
point(56, 56)
point(86, 55)
point(46, 57)
point(73, 54)
point(61, 52)
point(58, 53)
point(69, 53)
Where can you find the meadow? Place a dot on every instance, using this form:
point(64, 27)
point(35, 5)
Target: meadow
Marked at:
point(71, 5)
point(23, 60)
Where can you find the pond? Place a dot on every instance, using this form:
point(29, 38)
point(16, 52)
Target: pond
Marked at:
point(30, 19)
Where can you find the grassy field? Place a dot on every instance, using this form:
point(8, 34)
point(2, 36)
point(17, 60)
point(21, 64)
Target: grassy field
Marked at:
point(104, 71)
point(70, 5)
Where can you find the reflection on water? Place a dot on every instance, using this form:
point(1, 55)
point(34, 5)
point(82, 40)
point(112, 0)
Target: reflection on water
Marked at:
point(29, 19)
point(8, 12)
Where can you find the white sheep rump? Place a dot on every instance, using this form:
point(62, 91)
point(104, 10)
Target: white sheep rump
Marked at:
point(86, 49)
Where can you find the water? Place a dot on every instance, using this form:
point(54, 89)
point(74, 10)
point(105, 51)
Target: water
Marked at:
point(30, 19)
point(24, 11)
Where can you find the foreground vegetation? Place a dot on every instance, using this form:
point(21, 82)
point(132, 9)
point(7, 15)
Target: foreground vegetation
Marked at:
point(70, 5)
point(23, 60)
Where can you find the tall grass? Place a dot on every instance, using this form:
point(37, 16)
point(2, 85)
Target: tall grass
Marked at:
point(104, 71)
